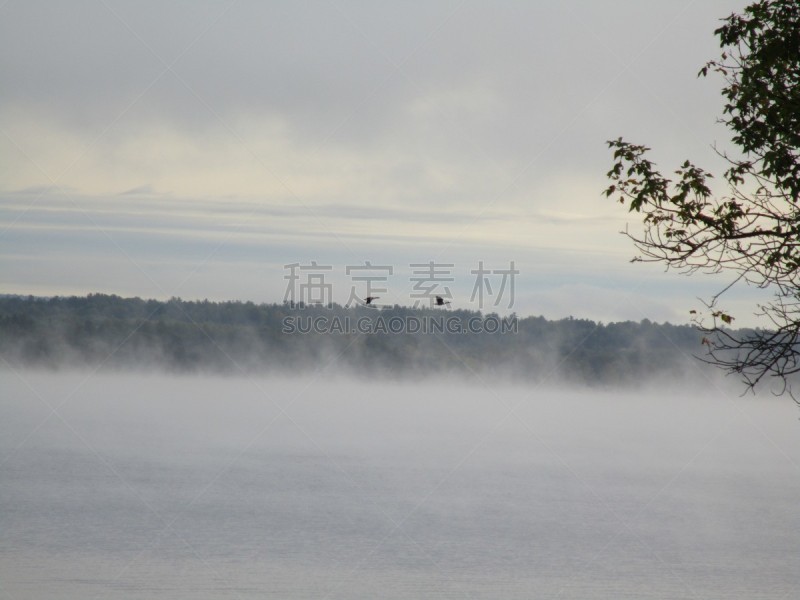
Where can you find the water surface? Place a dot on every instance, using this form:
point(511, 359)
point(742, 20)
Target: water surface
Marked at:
point(142, 486)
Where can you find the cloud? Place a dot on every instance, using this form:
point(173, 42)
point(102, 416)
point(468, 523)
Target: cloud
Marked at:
point(289, 131)
point(141, 190)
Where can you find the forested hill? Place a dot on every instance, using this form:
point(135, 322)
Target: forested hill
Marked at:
point(177, 335)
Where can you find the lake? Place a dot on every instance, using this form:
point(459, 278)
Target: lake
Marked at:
point(136, 485)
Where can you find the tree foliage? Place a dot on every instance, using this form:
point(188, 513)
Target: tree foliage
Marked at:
point(751, 230)
point(101, 331)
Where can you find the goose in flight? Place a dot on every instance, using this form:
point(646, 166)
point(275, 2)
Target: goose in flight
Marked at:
point(441, 301)
point(369, 299)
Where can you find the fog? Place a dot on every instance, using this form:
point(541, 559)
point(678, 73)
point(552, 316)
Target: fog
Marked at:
point(135, 486)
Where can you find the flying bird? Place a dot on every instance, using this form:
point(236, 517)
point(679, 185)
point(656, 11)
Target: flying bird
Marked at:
point(441, 301)
point(369, 299)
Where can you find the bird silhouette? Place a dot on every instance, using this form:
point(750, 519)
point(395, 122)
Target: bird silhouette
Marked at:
point(441, 301)
point(369, 299)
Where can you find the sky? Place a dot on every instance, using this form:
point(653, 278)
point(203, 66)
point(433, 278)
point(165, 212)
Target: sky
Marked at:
point(196, 149)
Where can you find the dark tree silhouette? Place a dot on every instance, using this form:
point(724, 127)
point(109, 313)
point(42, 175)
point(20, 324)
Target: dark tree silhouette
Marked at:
point(752, 230)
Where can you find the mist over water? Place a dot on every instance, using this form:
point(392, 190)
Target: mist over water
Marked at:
point(142, 486)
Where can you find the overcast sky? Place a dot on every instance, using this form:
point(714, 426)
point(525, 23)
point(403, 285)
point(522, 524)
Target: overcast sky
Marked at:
point(194, 149)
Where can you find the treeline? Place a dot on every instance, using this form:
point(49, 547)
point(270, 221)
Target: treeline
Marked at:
point(108, 331)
